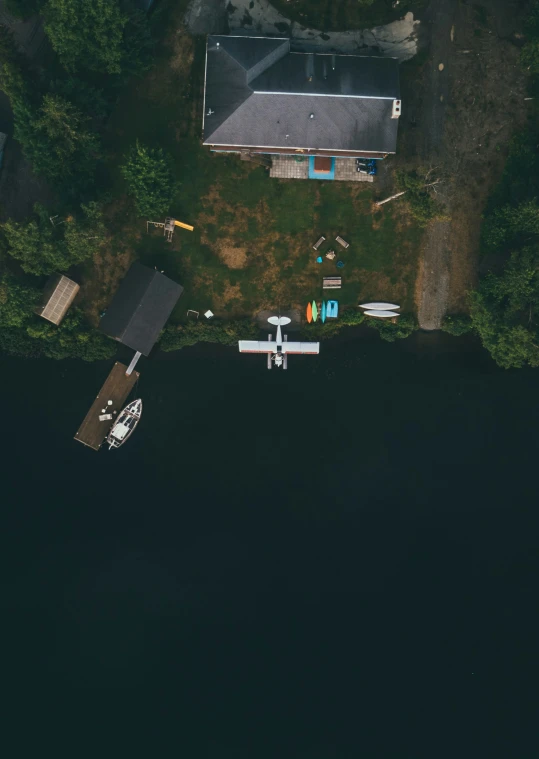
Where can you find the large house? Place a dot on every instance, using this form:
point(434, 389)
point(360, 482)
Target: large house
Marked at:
point(262, 98)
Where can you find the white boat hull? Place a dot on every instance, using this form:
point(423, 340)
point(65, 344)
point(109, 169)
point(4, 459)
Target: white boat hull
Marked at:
point(125, 424)
point(381, 314)
point(379, 306)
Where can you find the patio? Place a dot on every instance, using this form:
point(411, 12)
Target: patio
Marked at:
point(289, 167)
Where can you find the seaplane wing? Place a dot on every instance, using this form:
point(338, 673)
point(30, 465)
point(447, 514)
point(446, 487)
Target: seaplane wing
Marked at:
point(300, 347)
point(270, 346)
point(257, 346)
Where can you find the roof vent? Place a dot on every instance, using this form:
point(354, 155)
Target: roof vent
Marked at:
point(311, 115)
point(396, 109)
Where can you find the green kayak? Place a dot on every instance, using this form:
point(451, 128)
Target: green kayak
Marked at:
point(315, 311)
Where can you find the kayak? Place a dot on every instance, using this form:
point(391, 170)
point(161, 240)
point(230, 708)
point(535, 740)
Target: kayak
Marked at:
point(315, 311)
point(323, 316)
point(379, 306)
point(381, 314)
point(309, 313)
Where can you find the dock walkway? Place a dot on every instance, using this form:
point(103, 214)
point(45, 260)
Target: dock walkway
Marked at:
point(116, 388)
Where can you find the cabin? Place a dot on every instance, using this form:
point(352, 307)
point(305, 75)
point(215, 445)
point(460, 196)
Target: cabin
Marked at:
point(59, 294)
point(140, 308)
point(263, 99)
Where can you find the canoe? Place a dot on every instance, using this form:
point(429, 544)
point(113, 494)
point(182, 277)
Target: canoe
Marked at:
point(309, 313)
point(315, 311)
point(323, 316)
point(381, 314)
point(379, 306)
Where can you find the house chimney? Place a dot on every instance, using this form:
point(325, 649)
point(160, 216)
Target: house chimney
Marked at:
point(396, 109)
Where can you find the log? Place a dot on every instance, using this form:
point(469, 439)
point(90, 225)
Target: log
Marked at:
point(392, 197)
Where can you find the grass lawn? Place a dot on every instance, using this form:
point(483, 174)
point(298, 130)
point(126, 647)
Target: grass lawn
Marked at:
point(342, 15)
point(252, 244)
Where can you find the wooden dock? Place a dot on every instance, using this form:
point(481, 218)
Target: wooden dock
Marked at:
point(117, 387)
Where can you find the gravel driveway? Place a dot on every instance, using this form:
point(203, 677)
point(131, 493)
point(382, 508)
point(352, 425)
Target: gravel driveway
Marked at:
point(259, 18)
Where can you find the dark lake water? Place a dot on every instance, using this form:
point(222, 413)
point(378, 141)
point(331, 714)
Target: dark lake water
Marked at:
point(324, 562)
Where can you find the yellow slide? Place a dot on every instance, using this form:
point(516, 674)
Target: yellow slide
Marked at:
point(183, 226)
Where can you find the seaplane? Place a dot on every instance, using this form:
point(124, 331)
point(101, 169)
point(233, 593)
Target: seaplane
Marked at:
point(279, 349)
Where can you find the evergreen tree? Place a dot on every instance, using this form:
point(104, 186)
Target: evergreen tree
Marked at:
point(55, 135)
point(17, 301)
point(105, 36)
point(44, 249)
point(87, 35)
point(149, 180)
point(73, 338)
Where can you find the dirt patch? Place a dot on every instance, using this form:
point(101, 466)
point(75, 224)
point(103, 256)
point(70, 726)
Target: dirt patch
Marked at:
point(231, 292)
point(183, 52)
point(99, 286)
point(234, 258)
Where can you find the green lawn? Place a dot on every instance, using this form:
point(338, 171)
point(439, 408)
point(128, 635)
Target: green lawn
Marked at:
point(252, 244)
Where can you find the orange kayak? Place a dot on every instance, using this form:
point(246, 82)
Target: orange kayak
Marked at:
point(309, 313)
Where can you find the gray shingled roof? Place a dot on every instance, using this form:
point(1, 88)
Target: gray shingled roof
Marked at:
point(260, 94)
point(140, 308)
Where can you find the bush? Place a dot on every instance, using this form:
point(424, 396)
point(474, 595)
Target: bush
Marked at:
point(318, 331)
point(149, 180)
point(352, 317)
point(404, 326)
point(23, 333)
point(74, 338)
point(457, 324)
point(510, 225)
point(87, 35)
point(44, 249)
point(178, 336)
point(17, 301)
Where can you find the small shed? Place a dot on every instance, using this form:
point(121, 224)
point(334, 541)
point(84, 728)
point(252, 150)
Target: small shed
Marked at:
point(59, 294)
point(140, 308)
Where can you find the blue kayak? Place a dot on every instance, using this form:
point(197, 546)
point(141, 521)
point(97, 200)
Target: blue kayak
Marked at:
point(323, 316)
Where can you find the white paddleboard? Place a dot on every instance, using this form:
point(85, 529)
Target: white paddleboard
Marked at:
point(381, 314)
point(379, 306)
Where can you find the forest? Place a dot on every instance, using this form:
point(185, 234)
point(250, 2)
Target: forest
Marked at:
point(60, 111)
point(504, 308)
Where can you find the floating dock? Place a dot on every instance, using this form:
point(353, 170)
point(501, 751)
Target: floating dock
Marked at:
point(117, 387)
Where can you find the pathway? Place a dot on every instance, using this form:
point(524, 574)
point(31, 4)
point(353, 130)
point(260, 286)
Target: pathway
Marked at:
point(433, 286)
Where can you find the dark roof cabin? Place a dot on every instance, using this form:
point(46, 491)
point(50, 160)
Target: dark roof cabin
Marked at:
point(262, 96)
point(59, 294)
point(140, 308)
